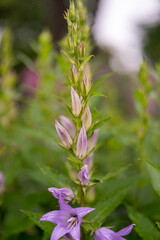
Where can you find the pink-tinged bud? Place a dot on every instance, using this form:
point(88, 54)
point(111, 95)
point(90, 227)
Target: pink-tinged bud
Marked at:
point(83, 176)
point(93, 140)
point(76, 103)
point(87, 82)
point(82, 143)
point(75, 74)
point(80, 50)
point(89, 161)
point(65, 193)
point(63, 134)
point(87, 118)
point(68, 124)
point(1, 183)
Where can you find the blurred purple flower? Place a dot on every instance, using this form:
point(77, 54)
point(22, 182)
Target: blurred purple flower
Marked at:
point(65, 193)
point(93, 140)
point(87, 118)
point(68, 220)
point(29, 79)
point(1, 182)
point(68, 124)
point(82, 143)
point(83, 176)
point(63, 134)
point(105, 233)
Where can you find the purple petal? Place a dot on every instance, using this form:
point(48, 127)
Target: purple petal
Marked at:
point(66, 193)
point(50, 217)
point(83, 176)
point(63, 134)
point(125, 231)
point(104, 234)
point(68, 124)
point(93, 140)
point(82, 143)
point(89, 161)
point(64, 206)
point(75, 232)
point(83, 211)
point(59, 232)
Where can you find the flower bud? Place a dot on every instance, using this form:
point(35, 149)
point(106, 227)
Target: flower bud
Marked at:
point(76, 103)
point(80, 50)
point(89, 161)
point(75, 74)
point(87, 118)
point(83, 176)
point(92, 141)
point(82, 143)
point(68, 124)
point(65, 193)
point(87, 83)
point(1, 182)
point(63, 134)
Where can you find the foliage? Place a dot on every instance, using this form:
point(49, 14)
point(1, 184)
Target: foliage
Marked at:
point(125, 179)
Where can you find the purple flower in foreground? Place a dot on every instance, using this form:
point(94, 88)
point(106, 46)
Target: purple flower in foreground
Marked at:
point(84, 176)
point(107, 234)
point(1, 182)
point(65, 193)
point(68, 220)
point(82, 143)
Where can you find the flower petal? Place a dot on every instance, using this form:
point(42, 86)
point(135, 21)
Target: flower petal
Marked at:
point(50, 217)
point(75, 232)
point(63, 205)
point(58, 232)
point(125, 231)
point(83, 211)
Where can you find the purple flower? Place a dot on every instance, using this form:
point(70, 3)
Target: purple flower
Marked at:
point(107, 234)
point(82, 143)
point(1, 182)
point(65, 193)
point(68, 220)
point(63, 134)
point(67, 123)
point(83, 176)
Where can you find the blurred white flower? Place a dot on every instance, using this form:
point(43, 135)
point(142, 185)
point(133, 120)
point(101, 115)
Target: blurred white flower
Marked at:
point(118, 27)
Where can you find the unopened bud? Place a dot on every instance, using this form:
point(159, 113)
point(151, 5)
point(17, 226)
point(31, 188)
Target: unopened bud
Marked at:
point(87, 82)
point(89, 161)
point(87, 118)
point(75, 74)
point(80, 50)
point(68, 124)
point(65, 193)
point(83, 176)
point(63, 134)
point(82, 143)
point(76, 103)
point(93, 140)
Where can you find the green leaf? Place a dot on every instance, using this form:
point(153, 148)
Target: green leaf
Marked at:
point(99, 123)
point(45, 226)
point(104, 208)
point(75, 161)
point(154, 173)
point(55, 179)
point(140, 97)
point(144, 227)
point(85, 61)
point(114, 173)
point(90, 226)
point(68, 56)
point(99, 81)
point(158, 224)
